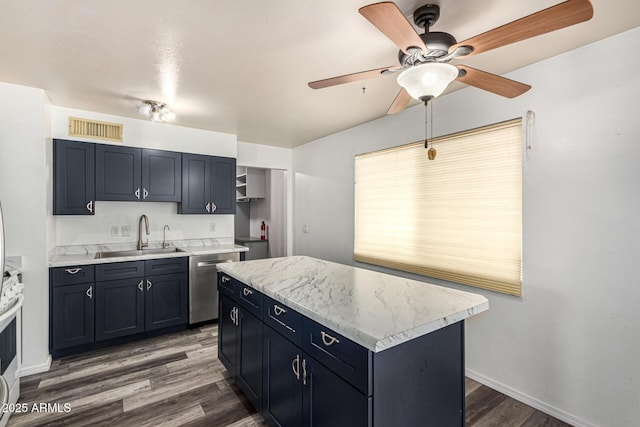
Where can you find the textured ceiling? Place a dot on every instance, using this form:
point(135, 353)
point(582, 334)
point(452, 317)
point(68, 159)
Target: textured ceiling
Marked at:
point(242, 67)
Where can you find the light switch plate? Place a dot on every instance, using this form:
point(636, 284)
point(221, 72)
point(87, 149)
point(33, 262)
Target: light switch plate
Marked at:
point(305, 228)
point(115, 231)
point(212, 227)
point(126, 231)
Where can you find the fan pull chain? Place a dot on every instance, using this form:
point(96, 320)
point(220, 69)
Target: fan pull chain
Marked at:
point(530, 134)
point(431, 152)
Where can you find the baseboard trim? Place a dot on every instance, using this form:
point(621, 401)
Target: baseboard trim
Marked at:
point(528, 400)
point(35, 369)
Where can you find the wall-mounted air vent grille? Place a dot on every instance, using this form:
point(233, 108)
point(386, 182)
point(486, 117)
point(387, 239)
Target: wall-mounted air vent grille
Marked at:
point(95, 129)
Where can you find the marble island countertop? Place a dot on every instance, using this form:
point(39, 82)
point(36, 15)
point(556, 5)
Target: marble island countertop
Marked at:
point(65, 256)
point(375, 310)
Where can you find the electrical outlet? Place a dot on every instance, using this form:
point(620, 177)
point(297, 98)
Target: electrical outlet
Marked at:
point(305, 228)
point(126, 231)
point(212, 227)
point(115, 231)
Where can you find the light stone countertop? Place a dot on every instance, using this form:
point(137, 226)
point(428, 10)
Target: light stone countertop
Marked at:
point(375, 310)
point(65, 256)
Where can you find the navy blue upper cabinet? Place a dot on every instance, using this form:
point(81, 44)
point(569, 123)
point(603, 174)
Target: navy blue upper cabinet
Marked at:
point(208, 185)
point(133, 174)
point(73, 178)
point(161, 176)
point(223, 185)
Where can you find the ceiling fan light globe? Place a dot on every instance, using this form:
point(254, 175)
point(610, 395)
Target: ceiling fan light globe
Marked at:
point(428, 80)
point(144, 110)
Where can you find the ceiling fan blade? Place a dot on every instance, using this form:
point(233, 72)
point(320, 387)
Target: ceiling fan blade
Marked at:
point(348, 78)
point(400, 103)
point(553, 18)
point(389, 19)
point(491, 82)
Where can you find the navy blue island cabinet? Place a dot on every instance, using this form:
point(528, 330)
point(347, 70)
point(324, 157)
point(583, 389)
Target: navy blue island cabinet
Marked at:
point(137, 174)
point(208, 185)
point(313, 376)
point(73, 178)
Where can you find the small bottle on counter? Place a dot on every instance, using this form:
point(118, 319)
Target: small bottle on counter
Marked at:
point(263, 231)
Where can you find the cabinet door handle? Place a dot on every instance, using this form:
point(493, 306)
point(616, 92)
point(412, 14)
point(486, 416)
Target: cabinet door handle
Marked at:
point(149, 284)
point(208, 208)
point(225, 279)
point(213, 207)
point(234, 315)
point(278, 310)
point(328, 339)
point(295, 366)
point(137, 193)
point(141, 285)
point(246, 292)
point(304, 371)
point(72, 270)
point(145, 193)
point(90, 292)
point(90, 206)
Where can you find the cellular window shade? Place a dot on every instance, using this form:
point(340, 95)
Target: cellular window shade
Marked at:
point(458, 217)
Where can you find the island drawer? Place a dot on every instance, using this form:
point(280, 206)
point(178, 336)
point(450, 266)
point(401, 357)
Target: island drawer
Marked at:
point(283, 320)
point(119, 270)
point(250, 299)
point(228, 285)
point(73, 275)
point(349, 360)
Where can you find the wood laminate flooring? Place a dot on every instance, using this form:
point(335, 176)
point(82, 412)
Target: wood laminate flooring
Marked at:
point(177, 380)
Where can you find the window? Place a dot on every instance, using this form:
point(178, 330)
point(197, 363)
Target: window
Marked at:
point(457, 218)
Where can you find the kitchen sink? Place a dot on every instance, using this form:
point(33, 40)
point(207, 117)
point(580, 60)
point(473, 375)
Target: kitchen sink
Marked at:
point(136, 252)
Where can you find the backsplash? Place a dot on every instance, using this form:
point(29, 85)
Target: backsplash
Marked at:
point(97, 229)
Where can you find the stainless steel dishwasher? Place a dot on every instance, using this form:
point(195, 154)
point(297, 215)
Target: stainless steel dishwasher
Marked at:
point(203, 289)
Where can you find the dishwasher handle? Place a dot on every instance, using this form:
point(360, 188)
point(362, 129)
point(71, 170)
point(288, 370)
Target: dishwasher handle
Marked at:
point(212, 263)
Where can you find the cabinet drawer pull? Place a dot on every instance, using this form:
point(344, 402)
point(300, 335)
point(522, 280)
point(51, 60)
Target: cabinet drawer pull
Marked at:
point(295, 366)
point(246, 292)
point(137, 194)
point(145, 193)
point(90, 292)
point(328, 339)
point(149, 284)
point(278, 310)
point(225, 279)
point(141, 285)
point(90, 206)
point(72, 270)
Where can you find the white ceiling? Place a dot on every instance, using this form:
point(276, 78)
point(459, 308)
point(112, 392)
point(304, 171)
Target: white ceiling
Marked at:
point(242, 67)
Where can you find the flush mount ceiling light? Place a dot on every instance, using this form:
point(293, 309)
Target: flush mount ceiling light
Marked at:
point(428, 80)
point(156, 111)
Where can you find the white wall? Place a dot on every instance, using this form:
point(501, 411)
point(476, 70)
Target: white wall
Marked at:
point(268, 157)
point(570, 345)
point(24, 177)
point(71, 230)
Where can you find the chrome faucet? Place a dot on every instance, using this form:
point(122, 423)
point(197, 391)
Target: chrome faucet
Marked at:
point(142, 244)
point(164, 236)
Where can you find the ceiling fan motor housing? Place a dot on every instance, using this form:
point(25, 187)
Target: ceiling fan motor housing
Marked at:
point(437, 43)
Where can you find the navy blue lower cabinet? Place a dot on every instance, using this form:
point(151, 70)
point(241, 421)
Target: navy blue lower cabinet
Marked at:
point(71, 315)
point(227, 333)
point(166, 301)
point(249, 353)
point(119, 308)
point(330, 401)
point(282, 388)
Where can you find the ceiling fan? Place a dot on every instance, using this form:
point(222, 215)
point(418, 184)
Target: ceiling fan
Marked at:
point(424, 67)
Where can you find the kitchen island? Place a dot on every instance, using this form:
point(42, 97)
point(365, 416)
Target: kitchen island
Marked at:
point(312, 342)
